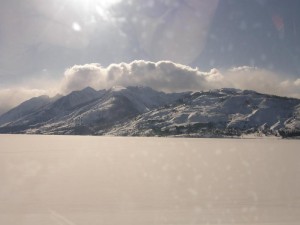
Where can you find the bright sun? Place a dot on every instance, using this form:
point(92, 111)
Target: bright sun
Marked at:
point(100, 3)
point(100, 7)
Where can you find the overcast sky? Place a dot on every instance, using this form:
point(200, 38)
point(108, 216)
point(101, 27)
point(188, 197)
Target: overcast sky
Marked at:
point(41, 40)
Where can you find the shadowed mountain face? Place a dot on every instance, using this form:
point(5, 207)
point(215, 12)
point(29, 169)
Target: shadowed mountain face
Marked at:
point(142, 111)
point(25, 109)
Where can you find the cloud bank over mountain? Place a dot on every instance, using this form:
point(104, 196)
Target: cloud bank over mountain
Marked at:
point(171, 77)
point(163, 75)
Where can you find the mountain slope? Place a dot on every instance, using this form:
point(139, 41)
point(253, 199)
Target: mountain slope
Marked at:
point(224, 112)
point(88, 111)
point(116, 105)
point(142, 111)
point(24, 109)
point(54, 110)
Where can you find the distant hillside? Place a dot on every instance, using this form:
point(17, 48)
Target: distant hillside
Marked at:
point(142, 111)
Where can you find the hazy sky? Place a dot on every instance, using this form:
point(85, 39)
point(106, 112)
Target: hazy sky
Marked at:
point(40, 40)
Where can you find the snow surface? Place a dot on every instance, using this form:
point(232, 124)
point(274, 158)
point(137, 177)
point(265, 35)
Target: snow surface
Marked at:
point(74, 180)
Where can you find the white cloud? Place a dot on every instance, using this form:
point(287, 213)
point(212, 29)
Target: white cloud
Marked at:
point(297, 82)
point(81, 76)
point(171, 77)
point(163, 76)
point(261, 80)
point(243, 69)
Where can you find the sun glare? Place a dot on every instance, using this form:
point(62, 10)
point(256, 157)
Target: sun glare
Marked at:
point(98, 7)
point(105, 4)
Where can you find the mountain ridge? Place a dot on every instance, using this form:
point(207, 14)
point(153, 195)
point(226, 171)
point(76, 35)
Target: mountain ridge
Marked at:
point(142, 111)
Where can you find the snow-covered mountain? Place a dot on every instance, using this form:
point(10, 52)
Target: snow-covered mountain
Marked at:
point(223, 112)
point(87, 111)
point(24, 109)
point(142, 111)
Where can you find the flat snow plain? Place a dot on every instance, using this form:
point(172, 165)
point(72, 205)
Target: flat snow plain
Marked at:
point(81, 180)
